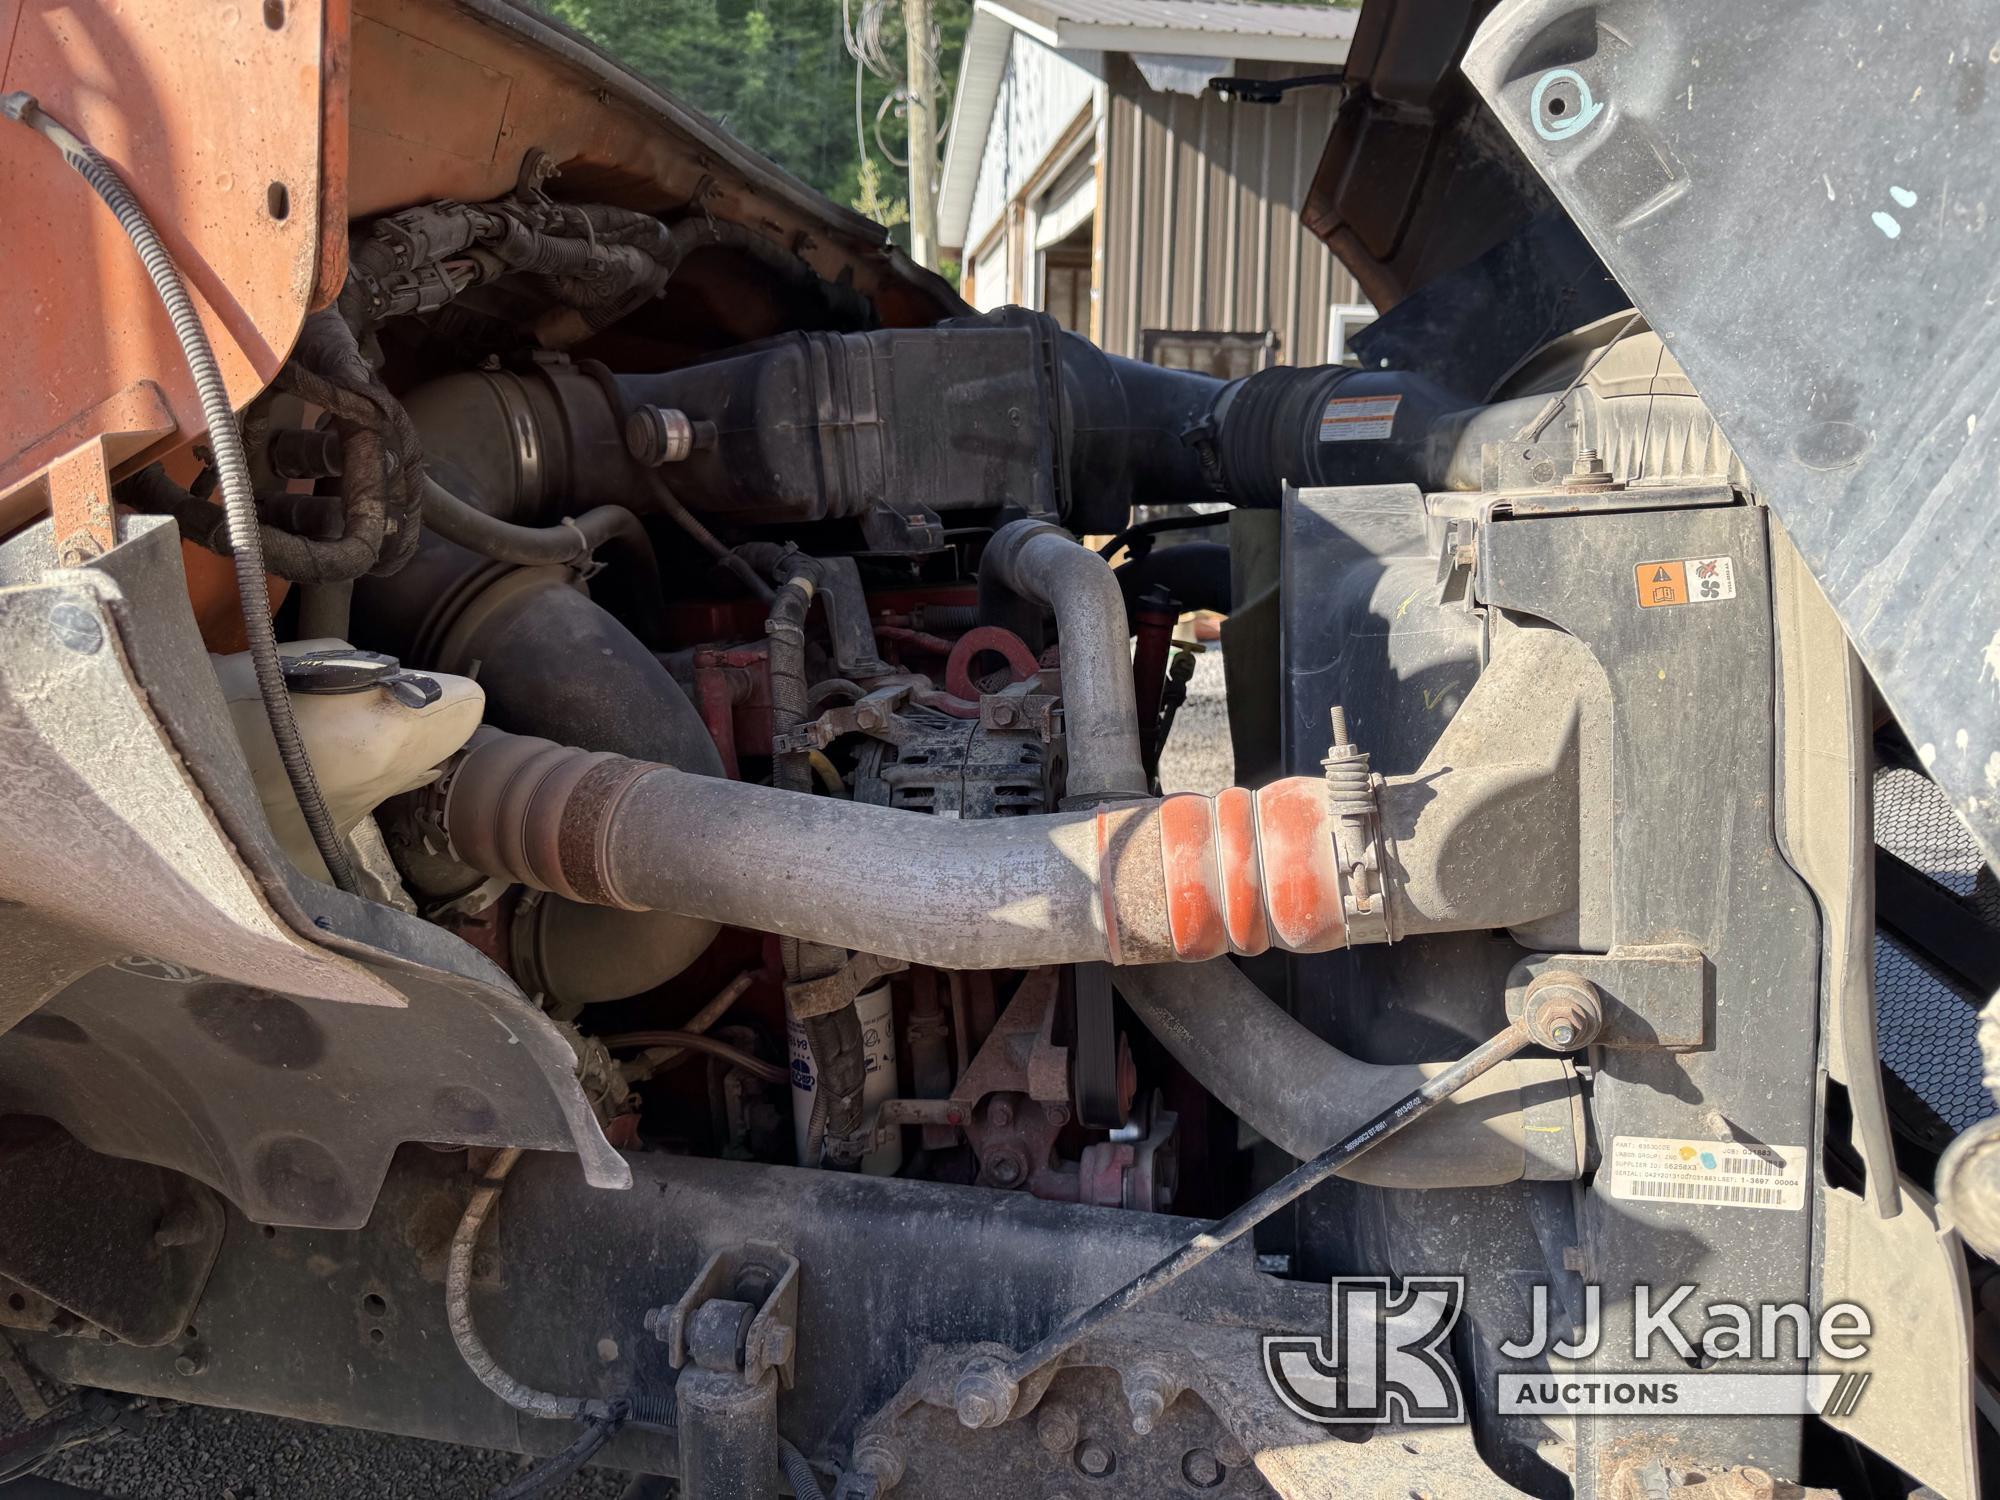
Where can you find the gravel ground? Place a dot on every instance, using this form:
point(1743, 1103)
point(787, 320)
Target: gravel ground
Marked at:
point(203, 1453)
point(1197, 756)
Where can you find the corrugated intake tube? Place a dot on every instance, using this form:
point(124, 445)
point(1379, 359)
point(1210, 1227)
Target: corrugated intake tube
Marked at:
point(1145, 883)
point(1186, 877)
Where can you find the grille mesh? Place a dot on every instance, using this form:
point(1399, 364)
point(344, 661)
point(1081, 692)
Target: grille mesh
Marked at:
point(1927, 1021)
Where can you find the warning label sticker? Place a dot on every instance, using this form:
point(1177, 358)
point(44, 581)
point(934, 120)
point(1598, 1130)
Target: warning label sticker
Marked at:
point(1355, 419)
point(1685, 580)
point(1724, 1173)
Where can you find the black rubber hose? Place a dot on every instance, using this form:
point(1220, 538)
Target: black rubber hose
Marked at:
point(570, 541)
point(558, 1468)
point(1138, 536)
point(553, 661)
point(805, 1484)
point(287, 553)
point(840, 1058)
point(1195, 573)
point(738, 567)
point(239, 500)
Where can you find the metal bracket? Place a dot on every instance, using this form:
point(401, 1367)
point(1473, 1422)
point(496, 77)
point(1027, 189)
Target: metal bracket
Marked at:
point(847, 627)
point(83, 519)
point(1038, 713)
point(874, 715)
point(822, 997)
point(760, 1276)
point(1654, 996)
point(95, 1242)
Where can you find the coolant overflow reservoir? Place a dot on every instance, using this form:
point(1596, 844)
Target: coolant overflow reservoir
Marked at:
point(372, 728)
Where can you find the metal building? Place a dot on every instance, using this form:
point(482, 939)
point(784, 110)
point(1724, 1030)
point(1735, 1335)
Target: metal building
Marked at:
point(1092, 173)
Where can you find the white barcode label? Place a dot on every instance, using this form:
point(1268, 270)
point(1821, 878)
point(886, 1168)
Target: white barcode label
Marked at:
point(1728, 1174)
point(1354, 419)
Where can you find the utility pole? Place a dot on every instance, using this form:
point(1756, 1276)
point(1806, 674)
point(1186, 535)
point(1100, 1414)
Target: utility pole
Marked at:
point(923, 132)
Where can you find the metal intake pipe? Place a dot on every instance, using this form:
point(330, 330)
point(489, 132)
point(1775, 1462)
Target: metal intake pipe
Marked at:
point(1187, 877)
point(1044, 565)
point(1521, 1120)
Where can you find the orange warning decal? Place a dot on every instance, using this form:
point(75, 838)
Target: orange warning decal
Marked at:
point(1662, 583)
point(1685, 580)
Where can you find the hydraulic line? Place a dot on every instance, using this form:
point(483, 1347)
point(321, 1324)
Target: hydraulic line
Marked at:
point(798, 1473)
point(458, 1311)
point(569, 541)
point(840, 1058)
point(559, 1468)
point(657, 1058)
point(694, 1041)
point(1563, 1016)
point(239, 500)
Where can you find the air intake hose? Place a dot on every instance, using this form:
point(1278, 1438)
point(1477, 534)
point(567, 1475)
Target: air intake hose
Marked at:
point(1146, 881)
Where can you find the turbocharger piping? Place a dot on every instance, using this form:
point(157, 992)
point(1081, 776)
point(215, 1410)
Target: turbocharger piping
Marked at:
point(1184, 878)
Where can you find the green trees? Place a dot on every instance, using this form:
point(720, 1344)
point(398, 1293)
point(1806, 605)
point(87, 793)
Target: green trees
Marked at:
point(778, 77)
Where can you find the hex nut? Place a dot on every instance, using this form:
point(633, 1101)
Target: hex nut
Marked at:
point(880, 1457)
point(1562, 1011)
point(984, 1396)
point(1095, 1460)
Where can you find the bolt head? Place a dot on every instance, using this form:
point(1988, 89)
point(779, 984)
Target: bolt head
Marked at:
point(1201, 1468)
point(984, 1396)
point(1562, 1011)
point(878, 1456)
point(1095, 1459)
point(1055, 1427)
point(191, 1363)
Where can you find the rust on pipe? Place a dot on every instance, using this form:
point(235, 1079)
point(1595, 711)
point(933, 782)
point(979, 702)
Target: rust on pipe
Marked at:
point(1184, 878)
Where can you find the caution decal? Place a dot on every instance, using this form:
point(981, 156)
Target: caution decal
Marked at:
point(1685, 580)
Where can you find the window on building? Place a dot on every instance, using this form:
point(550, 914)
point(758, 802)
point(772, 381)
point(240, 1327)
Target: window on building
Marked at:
point(1064, 216)
point(1228, 356)
point(989, 276)
point(1344, 320)
point(1066, 280)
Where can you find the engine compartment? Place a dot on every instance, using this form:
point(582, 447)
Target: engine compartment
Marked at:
point(732, 875)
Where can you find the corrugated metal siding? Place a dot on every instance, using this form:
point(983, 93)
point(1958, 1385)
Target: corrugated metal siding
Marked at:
point(1201, 223)
point(1041, 93)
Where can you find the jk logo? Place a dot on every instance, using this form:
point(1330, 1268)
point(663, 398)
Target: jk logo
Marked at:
point(1382, 1359)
